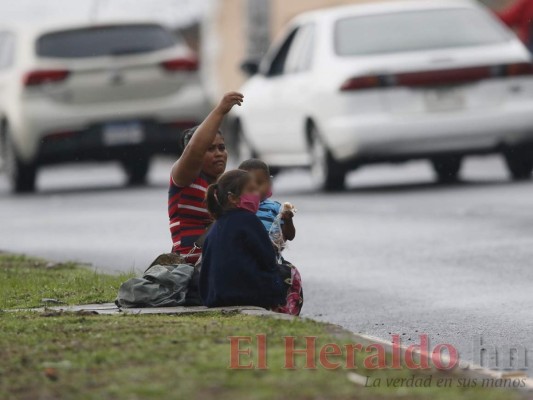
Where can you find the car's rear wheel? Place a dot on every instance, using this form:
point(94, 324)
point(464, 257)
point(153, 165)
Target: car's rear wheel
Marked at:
point(326, 172)
point(243, 147)
point(447, 168)
point(519, 163)
point(136, 169)
point(21, 175)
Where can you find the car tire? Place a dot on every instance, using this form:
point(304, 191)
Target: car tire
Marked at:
point(447, 168)
point(21, 175)
point(243, 147)
point(519, 163)
point(136, 169)
point(326, 172)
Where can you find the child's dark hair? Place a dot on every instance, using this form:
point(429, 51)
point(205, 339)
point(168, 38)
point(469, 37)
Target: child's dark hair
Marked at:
point(254, 164)
point(232, 182)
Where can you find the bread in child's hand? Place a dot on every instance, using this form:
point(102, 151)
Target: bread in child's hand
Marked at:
point(288, 207)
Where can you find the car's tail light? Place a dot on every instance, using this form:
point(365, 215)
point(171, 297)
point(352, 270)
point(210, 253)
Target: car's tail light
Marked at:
point(419, 78)
point(60, 135)
point(181, 64)
point(40, 77)
point(361, 82)
point(443, 77)
point(519, 69)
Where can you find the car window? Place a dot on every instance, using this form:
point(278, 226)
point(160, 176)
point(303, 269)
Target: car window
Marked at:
point(415, 31)
point(277, 66)
point(7, 47)
point(301, 54)
point(104, 41)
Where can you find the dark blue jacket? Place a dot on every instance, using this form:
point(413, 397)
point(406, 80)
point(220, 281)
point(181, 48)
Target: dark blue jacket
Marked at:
point(239, 264)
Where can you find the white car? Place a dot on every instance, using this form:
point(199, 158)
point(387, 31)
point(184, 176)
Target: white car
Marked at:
point(390, 82)
point(115, 91)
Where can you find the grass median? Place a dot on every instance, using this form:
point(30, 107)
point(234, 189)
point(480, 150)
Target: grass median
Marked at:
point(78, 356)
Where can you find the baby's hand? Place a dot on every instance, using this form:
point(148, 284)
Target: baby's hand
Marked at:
point(287, 212)
point(287, 215)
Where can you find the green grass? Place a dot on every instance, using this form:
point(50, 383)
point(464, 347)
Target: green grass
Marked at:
point(25, 282)
point(73, 356)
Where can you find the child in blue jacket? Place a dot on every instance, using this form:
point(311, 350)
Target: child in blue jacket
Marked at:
point(269, 209)
point(238, 260)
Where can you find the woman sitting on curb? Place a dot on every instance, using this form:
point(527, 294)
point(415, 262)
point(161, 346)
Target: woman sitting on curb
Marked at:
point(203, 160)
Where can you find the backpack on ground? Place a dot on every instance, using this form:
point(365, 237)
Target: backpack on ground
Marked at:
point(164, 284)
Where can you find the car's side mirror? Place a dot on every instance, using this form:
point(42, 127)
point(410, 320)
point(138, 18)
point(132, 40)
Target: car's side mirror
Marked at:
point(250, 67)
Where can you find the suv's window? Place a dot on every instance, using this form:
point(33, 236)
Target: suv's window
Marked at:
point(7, 49)
point(301, 54)
point(277, 65)
point(415, 31)
point(104, 40)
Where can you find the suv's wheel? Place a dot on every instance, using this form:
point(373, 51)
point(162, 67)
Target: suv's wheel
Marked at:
point(244, 149)
point(519, 163)
point(327, 173)
point(21, 175)
point(447, 168)
point(136, 169)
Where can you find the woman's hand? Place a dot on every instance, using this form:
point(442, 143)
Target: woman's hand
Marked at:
point(229, 100)
point(189, 165)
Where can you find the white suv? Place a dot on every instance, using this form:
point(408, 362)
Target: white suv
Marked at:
point(391, 82)
point(114, 91)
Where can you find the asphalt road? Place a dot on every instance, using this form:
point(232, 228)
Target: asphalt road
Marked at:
point(396, 253)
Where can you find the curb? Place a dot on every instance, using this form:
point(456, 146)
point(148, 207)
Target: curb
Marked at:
point(112, 309)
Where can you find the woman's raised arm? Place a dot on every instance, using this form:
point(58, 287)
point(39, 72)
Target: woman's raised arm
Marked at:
point(187, 168)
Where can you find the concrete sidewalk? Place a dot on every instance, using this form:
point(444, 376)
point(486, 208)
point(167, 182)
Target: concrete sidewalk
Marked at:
point(112, 309)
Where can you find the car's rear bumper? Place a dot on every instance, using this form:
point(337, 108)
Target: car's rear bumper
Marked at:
point(42, 126)
point(397, 137)
point(89, 143)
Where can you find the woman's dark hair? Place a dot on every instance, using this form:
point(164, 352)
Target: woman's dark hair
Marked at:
point(254, 164)
point(231, 182)
point(186, 137)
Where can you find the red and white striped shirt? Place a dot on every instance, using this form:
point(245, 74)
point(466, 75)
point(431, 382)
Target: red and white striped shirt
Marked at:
point(188, 216)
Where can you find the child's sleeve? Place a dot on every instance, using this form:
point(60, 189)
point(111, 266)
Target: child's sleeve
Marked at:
point(277, 210)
